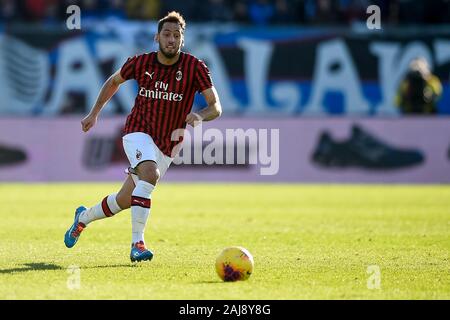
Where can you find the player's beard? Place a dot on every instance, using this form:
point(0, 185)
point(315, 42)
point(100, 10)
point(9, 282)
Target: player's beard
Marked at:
point(168, 55)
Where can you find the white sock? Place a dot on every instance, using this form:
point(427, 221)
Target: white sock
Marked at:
point(107, 208)
point(140, 209)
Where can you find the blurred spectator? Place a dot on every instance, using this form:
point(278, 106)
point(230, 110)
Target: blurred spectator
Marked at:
point(51, 11)
point(218, 10)
point(287, 12)
point(143, 9)
point(8, 10)
point(321, 12)
point(189, 9)
point(420, 89)
point(90, 8)
point(353, 10)
point(35, 9)
point(240, 9)
point(115, 8)
point(261, 11)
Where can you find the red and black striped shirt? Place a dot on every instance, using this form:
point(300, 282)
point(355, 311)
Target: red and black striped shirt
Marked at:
point(165, 95)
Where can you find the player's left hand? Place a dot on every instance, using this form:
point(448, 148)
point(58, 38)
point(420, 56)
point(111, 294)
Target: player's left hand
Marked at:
point(193, 119)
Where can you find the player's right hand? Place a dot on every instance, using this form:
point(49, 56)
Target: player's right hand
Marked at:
point(88, 122)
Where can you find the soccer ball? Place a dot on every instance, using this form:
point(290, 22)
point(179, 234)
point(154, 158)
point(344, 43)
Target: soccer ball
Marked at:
point(234, 263)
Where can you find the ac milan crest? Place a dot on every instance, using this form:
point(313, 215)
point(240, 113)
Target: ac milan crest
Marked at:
point(138, 154)
point(179, 75)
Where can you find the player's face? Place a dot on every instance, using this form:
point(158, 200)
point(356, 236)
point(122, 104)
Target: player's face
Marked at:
point(170, 39)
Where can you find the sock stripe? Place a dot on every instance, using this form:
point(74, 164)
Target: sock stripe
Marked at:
point(105, 208)
point(141, 202)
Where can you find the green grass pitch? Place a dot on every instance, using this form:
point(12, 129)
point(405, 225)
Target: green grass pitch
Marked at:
point(308, 242)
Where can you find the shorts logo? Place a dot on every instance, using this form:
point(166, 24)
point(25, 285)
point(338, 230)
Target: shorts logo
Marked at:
point(138, 154)
point(179, 75)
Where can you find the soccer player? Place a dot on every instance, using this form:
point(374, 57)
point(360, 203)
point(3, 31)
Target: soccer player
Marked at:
point(168, 80)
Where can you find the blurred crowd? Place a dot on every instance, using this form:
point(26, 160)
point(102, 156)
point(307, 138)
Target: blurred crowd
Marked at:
point(256, 12)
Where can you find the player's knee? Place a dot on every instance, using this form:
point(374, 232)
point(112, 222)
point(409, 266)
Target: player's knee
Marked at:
point(150, 175)
point(154, 176)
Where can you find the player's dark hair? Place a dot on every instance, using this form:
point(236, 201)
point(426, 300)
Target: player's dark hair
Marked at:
point(175, 17)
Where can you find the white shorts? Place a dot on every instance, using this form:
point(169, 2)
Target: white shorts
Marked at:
point(139, 147)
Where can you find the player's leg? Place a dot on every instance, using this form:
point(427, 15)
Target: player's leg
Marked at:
point(148, 174)
point(124, 195)
point(140, 150)
point(148, 164)
point(108, 207)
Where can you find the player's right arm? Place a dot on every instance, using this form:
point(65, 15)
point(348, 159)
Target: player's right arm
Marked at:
point(109, 88)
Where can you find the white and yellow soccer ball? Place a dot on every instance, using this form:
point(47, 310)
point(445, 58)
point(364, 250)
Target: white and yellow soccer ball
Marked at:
point(234, 264)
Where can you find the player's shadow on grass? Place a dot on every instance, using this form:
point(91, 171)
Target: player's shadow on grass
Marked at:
point(42, 266)
point(39, 266)
point(111, 266)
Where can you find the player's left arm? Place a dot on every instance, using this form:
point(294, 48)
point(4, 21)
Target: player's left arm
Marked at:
point(211, 112)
